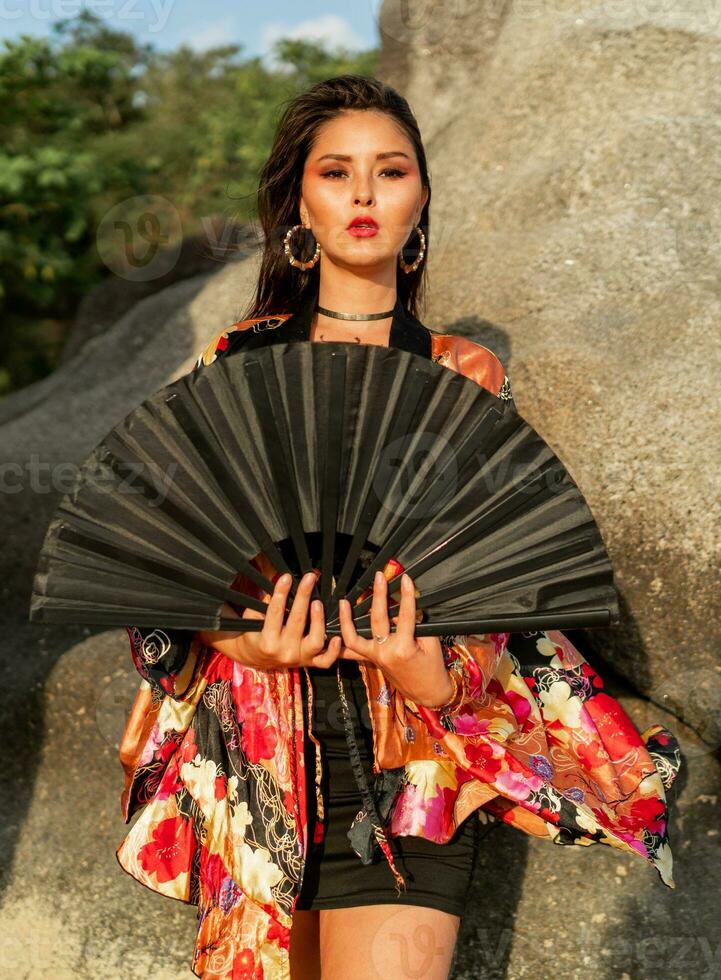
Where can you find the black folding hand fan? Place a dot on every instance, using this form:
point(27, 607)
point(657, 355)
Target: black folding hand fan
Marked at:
point(336, 456)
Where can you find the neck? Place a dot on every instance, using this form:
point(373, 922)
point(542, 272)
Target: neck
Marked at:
point(353, 294)
point(350, 291)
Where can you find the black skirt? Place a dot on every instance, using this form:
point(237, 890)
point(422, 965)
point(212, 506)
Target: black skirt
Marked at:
point(437, 875)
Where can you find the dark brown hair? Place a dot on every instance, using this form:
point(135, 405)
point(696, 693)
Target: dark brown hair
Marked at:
point(283, 288)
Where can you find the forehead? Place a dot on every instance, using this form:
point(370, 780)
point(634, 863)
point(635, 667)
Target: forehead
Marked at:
point(357, 132)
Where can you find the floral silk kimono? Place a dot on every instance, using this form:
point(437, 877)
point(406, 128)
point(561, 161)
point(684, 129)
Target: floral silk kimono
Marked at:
point(213, 751)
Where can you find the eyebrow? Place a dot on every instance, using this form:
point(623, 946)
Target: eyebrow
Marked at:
point(379, 156)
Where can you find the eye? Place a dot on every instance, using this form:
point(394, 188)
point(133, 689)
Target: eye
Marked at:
point(393, 171)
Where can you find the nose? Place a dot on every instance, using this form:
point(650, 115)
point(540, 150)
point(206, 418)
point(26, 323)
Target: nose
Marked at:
point(362, 190)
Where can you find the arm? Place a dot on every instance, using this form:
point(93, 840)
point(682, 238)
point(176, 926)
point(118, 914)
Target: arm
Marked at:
point(473, 660)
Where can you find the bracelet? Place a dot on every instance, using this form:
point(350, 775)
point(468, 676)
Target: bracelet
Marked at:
point(458, 679)
point(456, 696)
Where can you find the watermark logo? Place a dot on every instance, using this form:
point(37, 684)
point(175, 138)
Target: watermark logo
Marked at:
point(140, 238)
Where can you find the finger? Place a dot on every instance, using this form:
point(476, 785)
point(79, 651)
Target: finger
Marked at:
point(347, 654)
point(314, 642)
point(359, 644)
point(298, 615)
point(276, 608)
point(407, 615)
point(379, 606)
point(330, 655)
point(253, 636)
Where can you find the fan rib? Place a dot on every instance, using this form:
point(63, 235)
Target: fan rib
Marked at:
point(411, 398)
point(330, 445)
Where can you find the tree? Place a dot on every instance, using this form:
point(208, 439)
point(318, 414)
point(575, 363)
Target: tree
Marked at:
point(90, 119)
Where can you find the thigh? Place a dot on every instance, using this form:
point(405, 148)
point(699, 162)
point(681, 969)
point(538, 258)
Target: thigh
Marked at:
point(373, 942)
point(305, 946)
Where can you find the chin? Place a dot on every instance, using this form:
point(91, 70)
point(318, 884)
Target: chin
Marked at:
point(363, 258)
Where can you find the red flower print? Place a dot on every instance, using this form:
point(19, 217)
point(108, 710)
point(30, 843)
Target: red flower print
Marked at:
point(170, 782)
point(212, 874)
point(648, 813)
point(258, 737)
point(249, 694)
point(591, 755)
point(171, 850)
point(166, 749)
point(495, 689)
point(588, 671)
point(244, 967)
point(519, 706)
point(278, 934)
point(189, 748)
point(482, 758)
point(615, 727)
point(289, 798)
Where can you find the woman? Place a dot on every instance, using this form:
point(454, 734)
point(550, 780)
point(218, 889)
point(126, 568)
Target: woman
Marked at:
point(255, 784)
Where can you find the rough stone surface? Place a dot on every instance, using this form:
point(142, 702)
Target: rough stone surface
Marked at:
point(573, 151)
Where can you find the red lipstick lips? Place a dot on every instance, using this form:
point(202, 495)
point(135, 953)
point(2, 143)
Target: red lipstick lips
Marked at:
point(363, 226)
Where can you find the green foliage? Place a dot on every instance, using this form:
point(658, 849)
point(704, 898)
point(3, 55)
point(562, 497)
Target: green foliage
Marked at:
point(90, 119)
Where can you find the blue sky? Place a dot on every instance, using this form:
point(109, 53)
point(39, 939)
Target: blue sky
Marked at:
point(168, 23)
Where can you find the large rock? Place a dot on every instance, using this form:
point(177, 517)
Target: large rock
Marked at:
point(574, 230)
point(47, 429)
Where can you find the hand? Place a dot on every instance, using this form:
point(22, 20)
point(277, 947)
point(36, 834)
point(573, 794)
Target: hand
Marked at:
point(277, 646)
point(413, 665)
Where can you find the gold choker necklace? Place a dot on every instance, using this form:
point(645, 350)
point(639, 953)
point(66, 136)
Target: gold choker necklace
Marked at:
point(353, 316)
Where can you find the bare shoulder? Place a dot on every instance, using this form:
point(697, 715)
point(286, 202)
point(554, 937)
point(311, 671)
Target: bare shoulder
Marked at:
point(472, 360)
point(222, 342)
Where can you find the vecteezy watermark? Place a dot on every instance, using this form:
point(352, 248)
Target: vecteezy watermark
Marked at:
point(140, 238)
point(114, 703)
point(154, 12)
point(41, 476)
point(328, 713)
point(425, 20)
point(407, 944)
point(416, 475)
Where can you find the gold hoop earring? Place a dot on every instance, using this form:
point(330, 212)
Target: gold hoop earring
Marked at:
point(291, 258)
point(419, 258)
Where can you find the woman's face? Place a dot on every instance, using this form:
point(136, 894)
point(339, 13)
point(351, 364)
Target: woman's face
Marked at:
point(361, 164)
